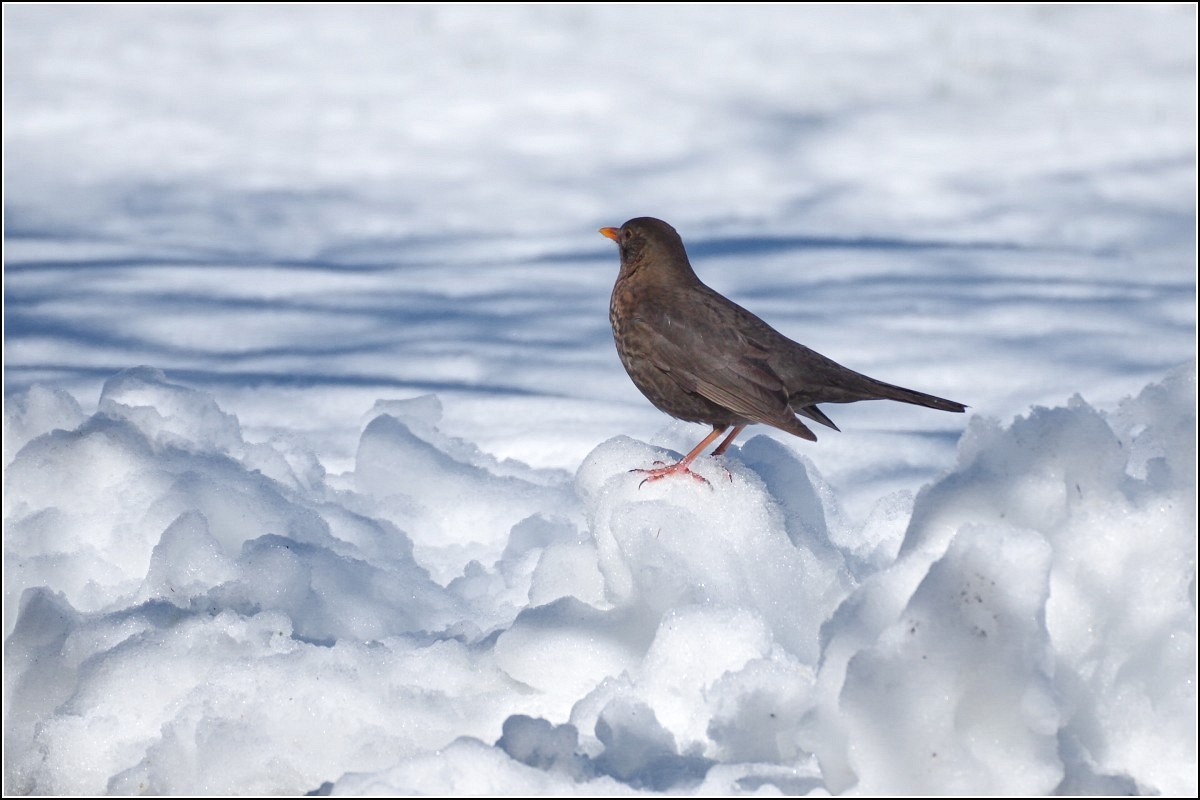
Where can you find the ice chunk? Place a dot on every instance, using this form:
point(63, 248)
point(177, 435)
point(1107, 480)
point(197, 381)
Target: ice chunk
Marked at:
point(37, 410)
point(170, 414)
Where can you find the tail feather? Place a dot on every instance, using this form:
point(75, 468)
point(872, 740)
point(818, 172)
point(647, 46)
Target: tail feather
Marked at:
point(887, 391)
point(811, 378)
point(816, 414)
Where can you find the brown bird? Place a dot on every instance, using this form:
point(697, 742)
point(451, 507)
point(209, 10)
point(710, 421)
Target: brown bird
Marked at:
point(700, 357)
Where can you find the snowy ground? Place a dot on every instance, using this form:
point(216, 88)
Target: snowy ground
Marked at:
point(316, 446)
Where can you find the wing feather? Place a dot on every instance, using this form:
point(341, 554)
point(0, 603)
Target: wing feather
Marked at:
point(706, 352)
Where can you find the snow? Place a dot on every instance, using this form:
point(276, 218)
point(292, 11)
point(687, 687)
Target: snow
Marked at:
point(317, 452)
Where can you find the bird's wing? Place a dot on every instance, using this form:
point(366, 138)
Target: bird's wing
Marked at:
point(703, 348)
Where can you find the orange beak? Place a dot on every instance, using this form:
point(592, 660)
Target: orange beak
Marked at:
point(611, 233)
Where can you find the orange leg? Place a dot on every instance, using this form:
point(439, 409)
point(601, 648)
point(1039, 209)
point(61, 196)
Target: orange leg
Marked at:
point(728, 439)
point(681, 466)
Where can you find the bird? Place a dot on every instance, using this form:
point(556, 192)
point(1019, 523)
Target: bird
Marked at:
point(700, 357)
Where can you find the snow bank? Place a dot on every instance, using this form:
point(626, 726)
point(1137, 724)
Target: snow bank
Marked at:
point(190, 612)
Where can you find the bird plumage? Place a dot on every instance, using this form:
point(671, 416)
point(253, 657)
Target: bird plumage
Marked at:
point(700, 357)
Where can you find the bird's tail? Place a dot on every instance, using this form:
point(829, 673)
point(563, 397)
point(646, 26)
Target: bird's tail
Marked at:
point(873, 390)
point(886, 391)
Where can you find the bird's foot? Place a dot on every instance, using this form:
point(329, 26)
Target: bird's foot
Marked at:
point(679, 468)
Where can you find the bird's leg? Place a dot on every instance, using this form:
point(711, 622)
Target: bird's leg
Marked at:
point(681, 466)
point(723, 446)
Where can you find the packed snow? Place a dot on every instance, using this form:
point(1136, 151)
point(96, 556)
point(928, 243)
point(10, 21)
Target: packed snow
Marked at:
point(317, 452)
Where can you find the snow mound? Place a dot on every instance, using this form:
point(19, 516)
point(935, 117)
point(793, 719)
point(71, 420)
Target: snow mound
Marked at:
point(187, 611)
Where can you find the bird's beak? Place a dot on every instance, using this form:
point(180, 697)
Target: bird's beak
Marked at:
point(611, 233)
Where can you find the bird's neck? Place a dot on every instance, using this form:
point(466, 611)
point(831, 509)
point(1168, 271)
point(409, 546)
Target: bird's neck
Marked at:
point(677, 273)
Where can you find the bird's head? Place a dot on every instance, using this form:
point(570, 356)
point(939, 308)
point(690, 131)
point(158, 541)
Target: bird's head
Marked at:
point(646, 242)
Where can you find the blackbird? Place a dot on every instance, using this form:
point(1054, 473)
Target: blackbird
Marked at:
point(700, 357)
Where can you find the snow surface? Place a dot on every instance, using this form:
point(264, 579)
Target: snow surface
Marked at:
point(317, 451)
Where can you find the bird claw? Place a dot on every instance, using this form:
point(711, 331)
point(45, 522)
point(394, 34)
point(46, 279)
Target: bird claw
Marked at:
point(673, 469)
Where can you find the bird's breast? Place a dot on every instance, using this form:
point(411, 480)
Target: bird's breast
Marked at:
point(629, 309)
point(622, 307)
